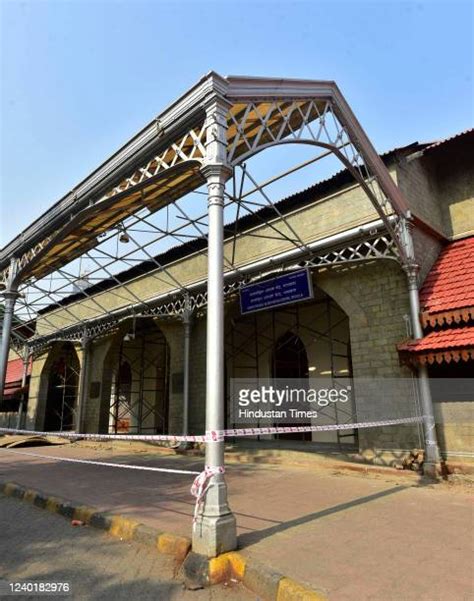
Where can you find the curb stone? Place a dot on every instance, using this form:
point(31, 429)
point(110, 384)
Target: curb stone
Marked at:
point(116, 525)
point(199, 571)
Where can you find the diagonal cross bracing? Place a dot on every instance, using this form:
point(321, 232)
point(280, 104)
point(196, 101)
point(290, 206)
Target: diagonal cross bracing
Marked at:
point(130, 214)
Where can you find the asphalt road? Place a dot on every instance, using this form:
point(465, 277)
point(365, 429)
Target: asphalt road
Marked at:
point(37, 546)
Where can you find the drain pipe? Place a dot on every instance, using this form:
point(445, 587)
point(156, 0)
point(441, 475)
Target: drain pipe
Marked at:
point(431, 465)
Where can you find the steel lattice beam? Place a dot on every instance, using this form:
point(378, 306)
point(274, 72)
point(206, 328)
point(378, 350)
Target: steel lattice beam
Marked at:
point(262, 113)
point(379, 247)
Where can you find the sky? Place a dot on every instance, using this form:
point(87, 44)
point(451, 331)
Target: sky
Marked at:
point(79, 78)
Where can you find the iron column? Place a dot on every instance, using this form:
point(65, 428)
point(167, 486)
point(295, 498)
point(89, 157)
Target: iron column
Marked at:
point(214, 530)
point(83, 377)
point(10, 295)
point(24, 375)
point(432, 457)
point(187, 322)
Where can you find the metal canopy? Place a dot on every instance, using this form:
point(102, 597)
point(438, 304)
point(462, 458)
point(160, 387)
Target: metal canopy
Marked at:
point(149, 194)
point(147, 197)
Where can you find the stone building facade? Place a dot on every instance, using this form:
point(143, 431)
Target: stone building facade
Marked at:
point(359, 314)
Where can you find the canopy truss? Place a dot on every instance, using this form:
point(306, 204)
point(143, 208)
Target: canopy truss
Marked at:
point(77, 269)
point(135, 212)
point(174, 305)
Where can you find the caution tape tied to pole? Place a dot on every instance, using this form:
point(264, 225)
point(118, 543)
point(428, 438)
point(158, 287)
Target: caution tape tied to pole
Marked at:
point(218, 435)
point(201, 485)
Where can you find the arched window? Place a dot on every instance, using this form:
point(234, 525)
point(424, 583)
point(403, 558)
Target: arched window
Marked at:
point(289, 357)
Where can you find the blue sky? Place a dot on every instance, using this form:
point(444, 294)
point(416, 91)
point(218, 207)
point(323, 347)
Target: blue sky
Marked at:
point(79, 78)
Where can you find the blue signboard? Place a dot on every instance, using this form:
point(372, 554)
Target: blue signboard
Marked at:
point(281, 290)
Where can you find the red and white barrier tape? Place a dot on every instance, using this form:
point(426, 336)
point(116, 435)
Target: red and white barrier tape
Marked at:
point(142, 437)
point(103, 463)
point(201, 485)
point(219, 435)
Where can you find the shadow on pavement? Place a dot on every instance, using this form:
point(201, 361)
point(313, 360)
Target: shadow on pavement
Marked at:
point(251, 538)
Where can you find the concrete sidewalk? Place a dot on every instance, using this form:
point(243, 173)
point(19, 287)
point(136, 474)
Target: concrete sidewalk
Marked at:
point(367, 537)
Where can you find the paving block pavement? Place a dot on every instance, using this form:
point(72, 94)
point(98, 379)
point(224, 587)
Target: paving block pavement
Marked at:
point(39, 547)
point(371, 537)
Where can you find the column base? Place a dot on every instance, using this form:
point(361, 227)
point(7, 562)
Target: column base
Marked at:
point(214, 535)
point(183, 446)
point(432, 469)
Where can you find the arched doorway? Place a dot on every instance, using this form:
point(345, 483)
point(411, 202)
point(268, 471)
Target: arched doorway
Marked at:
point(61, 402)
point(140, 392)
point(305, 340)
point(289, 362)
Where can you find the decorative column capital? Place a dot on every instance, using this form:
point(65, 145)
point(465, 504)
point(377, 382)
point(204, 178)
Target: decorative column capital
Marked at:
point(405, 236)
point(187, 313)
point(10, 295)
point(26, 355)
point(216, 105)
point(11, 286)
point(217, 109)
point(216, 172)
point(412, 269)
point(85, 340)
point(216, 176)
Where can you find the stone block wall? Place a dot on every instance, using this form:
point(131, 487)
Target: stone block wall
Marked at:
point(417, 182)
point(375, 298)
point(197, 384)
point(373, 295)
point(174, 335)
point(97, 399)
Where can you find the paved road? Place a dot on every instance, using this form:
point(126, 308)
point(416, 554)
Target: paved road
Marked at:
point(374, 538)
point(36, 545)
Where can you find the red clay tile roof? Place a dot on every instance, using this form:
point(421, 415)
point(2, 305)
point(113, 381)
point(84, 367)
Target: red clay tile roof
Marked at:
point(447, 299)
point(451, 344)
point(448, 292)
point(15, 371)
point(441, 339)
